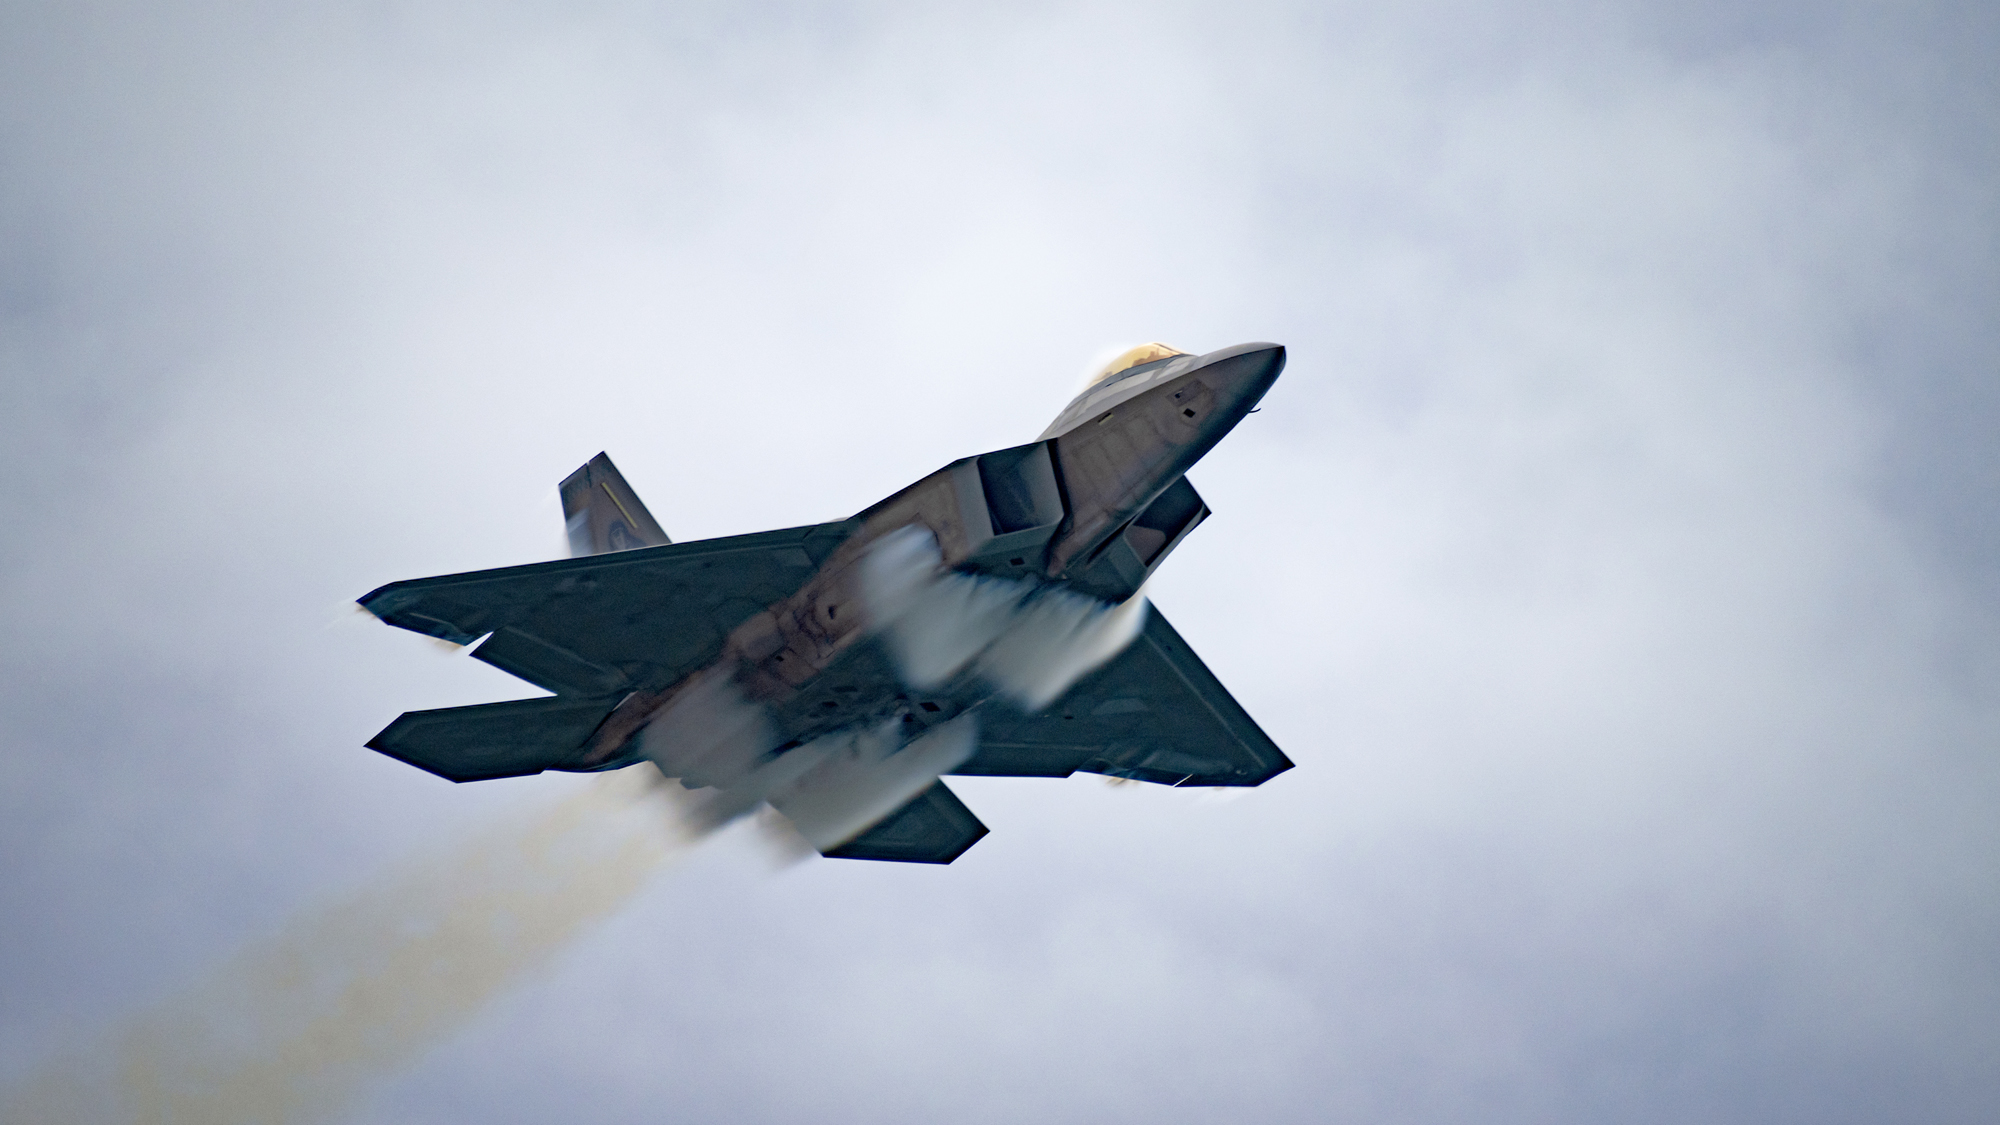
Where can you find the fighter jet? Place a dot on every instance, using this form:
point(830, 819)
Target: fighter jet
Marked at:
point(987, 620)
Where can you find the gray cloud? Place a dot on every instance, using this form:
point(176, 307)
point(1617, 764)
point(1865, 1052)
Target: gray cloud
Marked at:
point(1616, 557)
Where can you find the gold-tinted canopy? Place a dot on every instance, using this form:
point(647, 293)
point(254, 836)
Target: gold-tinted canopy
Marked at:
point(1133, 357)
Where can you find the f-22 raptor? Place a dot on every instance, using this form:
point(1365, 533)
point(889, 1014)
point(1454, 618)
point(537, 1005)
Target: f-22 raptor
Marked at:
point(986, 620)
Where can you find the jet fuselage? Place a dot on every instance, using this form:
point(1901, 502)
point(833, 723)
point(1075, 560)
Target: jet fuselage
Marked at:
point(1095, 505)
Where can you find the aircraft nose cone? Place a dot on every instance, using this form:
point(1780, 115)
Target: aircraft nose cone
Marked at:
point(1114, 467)
point(1241, 375)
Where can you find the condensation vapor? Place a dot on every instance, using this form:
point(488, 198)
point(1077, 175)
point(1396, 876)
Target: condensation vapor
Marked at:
point(296, 1027)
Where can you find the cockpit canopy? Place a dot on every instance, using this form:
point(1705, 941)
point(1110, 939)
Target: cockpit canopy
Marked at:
point(1119, 380)
point(1133, 357)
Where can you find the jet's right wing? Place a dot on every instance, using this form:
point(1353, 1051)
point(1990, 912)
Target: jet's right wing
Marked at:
point(934, 827)
point(1154, 713)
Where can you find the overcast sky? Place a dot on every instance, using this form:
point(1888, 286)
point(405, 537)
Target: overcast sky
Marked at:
point(1618, 557)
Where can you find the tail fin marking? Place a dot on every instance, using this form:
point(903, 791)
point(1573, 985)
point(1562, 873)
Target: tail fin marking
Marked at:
point(602, 514)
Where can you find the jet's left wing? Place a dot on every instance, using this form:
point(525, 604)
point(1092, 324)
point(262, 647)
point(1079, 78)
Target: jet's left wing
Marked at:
point(1154, 713)
point(589, 629)
point(606, 624)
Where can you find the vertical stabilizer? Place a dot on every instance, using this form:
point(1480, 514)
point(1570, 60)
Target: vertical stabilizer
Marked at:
point(603, 514)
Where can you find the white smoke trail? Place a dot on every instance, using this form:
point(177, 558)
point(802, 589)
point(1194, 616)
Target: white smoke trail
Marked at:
point(292, 1029)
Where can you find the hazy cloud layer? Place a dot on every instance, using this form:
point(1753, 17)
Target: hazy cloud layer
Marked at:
point(1617, 557)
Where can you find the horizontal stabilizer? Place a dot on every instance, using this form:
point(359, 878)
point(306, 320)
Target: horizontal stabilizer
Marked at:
point(489, 740)
point(935, 827)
